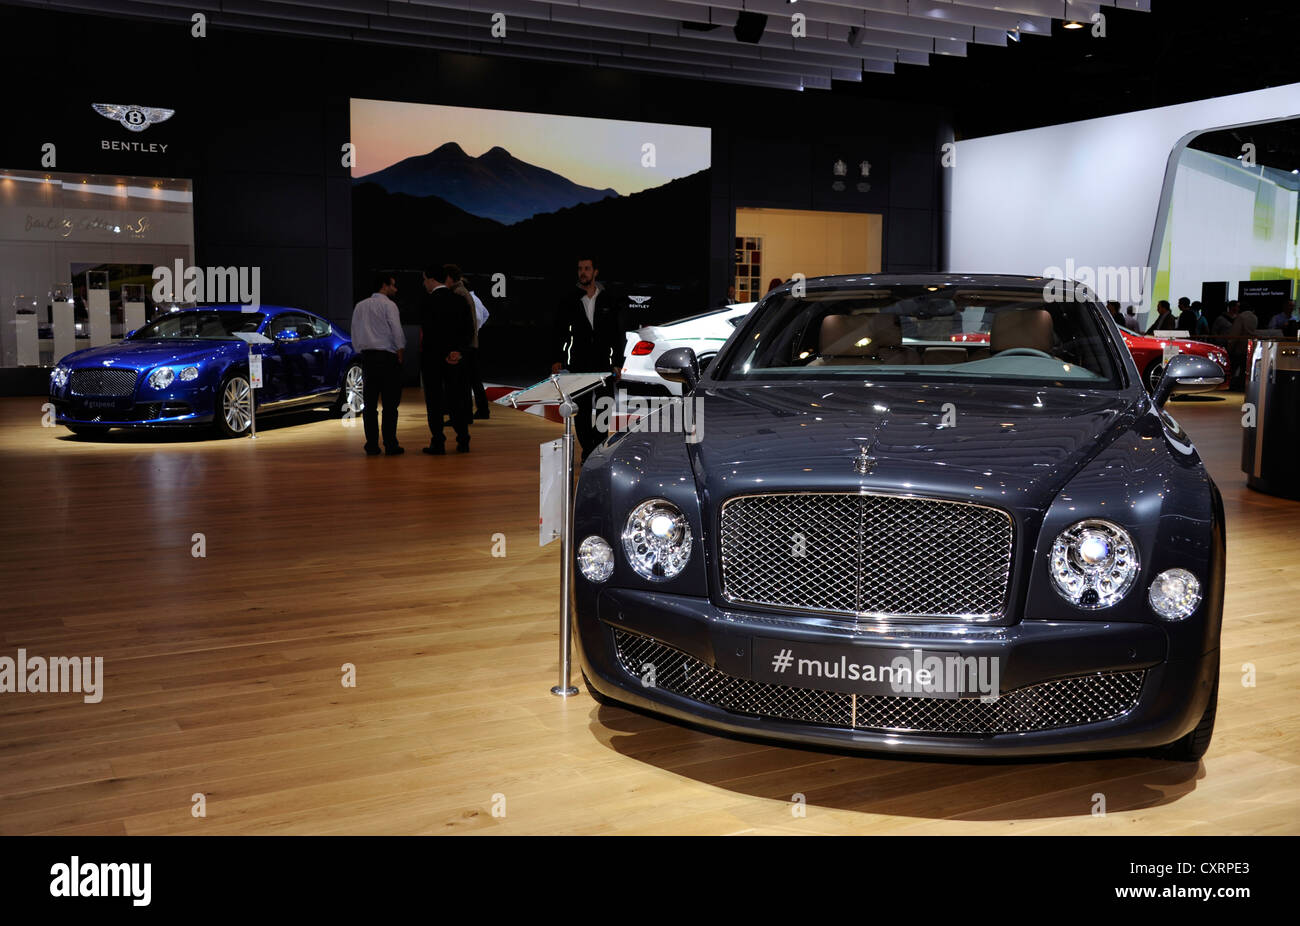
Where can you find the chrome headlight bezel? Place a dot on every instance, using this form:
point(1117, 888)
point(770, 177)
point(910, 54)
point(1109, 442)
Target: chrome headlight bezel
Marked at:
point(161, 378)
point(657, 539)
point(59, 376)
point(1093, 564)
point(188, 374)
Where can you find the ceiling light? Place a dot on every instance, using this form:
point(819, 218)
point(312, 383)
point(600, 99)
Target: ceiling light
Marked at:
point(1074, 24)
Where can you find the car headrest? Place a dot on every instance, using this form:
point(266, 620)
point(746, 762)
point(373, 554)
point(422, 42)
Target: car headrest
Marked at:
point(1030, 328)
point(858, 335)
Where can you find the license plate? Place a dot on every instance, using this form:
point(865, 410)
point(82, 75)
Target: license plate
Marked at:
point(874, 670)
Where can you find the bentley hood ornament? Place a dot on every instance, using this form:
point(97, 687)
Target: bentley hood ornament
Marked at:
point(864, 462)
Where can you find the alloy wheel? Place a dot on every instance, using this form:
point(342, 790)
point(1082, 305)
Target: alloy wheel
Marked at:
point(353, 390)
point(237, 404)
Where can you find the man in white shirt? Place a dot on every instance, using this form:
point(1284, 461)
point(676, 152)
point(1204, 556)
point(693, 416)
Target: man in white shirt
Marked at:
point(377, 335)
point(473, 372)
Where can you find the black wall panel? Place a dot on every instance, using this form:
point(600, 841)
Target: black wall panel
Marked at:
point(260, 121)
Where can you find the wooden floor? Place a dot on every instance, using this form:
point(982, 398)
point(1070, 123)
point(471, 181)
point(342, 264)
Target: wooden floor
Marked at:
point(222, 674)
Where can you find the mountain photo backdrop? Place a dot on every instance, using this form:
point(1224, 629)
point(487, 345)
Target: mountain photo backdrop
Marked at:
point(521, 194)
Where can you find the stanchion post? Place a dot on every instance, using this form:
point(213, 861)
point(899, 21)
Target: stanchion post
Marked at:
point(568, 408)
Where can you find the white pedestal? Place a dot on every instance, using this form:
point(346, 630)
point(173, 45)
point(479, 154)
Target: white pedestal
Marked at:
point(98, 317)
point(132, 316)
point(63, 321)
point(27, 349)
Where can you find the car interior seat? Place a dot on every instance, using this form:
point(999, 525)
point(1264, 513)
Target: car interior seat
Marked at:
point(862, 339)
point(1025, 328)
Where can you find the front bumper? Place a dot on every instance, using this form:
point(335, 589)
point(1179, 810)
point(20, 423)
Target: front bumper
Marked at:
point(1066, 687)
point(128, 413)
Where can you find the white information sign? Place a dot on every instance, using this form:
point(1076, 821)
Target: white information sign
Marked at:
point(255, 370)
point(551, 508)
point(1171, 351)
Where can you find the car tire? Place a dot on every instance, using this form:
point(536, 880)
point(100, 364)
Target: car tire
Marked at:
point(1192, 746)
point(234, 405)
point(351, 386)
point(1155, 371)
point(88, 430)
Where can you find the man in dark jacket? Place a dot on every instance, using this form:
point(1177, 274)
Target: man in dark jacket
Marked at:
point(588, 339)
point(1165, 320)
point(446, 332)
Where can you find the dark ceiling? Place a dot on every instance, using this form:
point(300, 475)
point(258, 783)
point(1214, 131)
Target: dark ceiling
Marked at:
point(1179, 50)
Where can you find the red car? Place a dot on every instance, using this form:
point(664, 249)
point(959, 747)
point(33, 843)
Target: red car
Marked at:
point(1148, 353)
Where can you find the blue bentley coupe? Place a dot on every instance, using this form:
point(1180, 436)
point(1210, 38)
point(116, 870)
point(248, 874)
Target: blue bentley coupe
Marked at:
point(191, 367)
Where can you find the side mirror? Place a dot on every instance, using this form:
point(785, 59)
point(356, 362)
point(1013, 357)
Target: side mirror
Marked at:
point(287, 334)
point(130, 334)
point(679, 366)
point(1185, 374)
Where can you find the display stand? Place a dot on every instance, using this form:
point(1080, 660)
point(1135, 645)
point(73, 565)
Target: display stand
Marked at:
point(97, 308)
point(24, 342)
point(133, 307)
point(63, 322)
point(561, 389)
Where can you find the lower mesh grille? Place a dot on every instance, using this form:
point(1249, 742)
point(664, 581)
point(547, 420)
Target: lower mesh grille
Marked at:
point(1065, 702)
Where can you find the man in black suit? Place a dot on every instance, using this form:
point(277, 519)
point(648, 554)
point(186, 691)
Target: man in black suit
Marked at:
point(1165, 320)
point(446, 331)
point(588, 339)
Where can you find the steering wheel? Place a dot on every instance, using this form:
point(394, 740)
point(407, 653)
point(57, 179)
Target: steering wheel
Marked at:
point(1024, 352)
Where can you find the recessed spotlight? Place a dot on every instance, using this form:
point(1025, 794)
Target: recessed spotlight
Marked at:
point(1074, 24)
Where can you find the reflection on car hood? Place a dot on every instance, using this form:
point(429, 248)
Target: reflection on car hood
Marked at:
point(143, 354)
point(1006, 445)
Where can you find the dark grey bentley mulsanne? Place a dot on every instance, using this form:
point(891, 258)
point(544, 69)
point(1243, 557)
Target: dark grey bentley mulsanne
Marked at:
point(920, 514)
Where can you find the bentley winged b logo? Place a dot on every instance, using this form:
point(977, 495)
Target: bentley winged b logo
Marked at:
point(135, 118)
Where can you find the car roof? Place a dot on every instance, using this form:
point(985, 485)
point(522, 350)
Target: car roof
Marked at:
point(236, 307)
point(921, 279)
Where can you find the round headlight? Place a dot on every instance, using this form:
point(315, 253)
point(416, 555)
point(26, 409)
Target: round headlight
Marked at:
point(657, 539)
point(189, 373)
point(1093, 564)
point(59, 377)
point(596, 559)
point(161, 378)
point(1174, 594)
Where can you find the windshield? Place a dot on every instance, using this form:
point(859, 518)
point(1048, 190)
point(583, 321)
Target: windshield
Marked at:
point(962, 333)
point(218, 325)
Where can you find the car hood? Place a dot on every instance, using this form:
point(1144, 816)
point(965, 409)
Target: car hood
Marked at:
point(1014, 447)
point(143, 354)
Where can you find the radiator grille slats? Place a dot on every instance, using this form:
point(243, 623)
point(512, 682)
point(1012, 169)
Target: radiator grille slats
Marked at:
point(1064, 702)
point(872, 556)
point(103, 381)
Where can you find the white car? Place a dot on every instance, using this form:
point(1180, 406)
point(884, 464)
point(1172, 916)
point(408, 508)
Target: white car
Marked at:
point(704, 334)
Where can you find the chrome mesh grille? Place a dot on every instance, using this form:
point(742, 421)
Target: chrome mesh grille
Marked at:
point(1064, 702)
point(867, 555)
point(103, 381)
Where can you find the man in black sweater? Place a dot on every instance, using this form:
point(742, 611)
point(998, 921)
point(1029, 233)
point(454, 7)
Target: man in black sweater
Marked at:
point(588, 339)
point(446, 331)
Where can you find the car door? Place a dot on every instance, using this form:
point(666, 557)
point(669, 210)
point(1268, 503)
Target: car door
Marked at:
point(300, 356)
